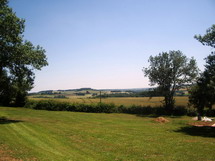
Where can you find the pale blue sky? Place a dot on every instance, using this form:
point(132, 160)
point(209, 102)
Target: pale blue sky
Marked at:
point(106, 43)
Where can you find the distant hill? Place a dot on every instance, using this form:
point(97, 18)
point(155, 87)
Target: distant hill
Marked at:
point(90, 92)
point(90, 89)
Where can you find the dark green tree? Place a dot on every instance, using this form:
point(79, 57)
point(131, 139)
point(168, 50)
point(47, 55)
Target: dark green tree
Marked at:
point(209, 79)
point(170, 71)
point(18, 58)
point(209, 38)
point(6, 92)
point(203, 93)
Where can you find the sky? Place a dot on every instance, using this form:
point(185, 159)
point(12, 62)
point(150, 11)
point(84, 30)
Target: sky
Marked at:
point(104, 44)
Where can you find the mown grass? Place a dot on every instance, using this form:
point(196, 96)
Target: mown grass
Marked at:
point(53, 135)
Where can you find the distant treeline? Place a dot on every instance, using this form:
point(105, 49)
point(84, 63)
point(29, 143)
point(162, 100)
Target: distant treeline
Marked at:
point(56, 96)
point(131, 94)
point(149, 93)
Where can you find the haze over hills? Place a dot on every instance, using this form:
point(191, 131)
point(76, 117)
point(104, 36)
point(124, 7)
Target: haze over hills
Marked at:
point(90, 92)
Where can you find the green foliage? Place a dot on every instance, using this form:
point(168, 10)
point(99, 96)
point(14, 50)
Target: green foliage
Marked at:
point(18, 58)
point(107, 108)
point(149, 93)
point(198, 98)
point(203, 93)
point(116, 95)
point(155, 111)
point(209, 38)
point(170, 71)
point(141, 110)
point(192, 111)
point(5, 93)
point(77, 107)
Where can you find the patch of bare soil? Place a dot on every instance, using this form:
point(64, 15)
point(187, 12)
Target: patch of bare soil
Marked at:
point(6, 155)
point(161, 120)
point(202, 124)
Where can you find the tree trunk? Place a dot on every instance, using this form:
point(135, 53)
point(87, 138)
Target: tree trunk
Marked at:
point(200, 113)
point(199, 117)
point(1, 74)
point(169, 104)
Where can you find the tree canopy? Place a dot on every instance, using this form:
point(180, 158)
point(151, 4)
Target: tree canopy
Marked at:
point(209, 38)
point(18, 58)
point(203, 93)
point(170, 71)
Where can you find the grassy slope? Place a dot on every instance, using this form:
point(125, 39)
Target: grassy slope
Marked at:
point(49, 135)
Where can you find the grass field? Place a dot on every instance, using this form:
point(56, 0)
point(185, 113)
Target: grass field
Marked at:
point(46, 135)
point(127, 101)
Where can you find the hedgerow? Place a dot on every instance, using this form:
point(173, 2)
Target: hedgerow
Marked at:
point(52, 105)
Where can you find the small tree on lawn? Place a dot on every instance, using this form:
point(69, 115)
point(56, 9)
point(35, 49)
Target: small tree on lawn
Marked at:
point(170, 71)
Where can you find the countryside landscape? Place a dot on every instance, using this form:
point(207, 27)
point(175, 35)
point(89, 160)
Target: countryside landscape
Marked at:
point(126, 97)
point(98, 90)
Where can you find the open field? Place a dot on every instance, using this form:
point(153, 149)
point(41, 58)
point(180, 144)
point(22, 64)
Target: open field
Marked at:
point(127, 101)
point(46, 135)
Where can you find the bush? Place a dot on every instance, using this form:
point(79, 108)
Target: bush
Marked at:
point(180, 111)
point(142, 110)
point(191, 111)
point(210, 113)
point(64, 106)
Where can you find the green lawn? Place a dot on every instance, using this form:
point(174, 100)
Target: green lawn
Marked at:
point(45, 135)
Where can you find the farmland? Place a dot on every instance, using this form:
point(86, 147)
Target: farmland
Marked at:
point(127, 101)
point(28, 134)
point(166, 112)
point(88, 95)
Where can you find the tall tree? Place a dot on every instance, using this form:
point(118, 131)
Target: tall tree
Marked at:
point(18, 58)
point(203, 93)
point(170, 71)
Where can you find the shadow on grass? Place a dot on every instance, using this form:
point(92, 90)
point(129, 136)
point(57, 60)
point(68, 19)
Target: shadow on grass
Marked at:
point(204, 131)
point(4, 120)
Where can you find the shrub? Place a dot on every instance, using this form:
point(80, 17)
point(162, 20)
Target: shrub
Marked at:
point(191, 111)
point(210, 112)
point(106, 108)
point(64, 106)
point(30, 104)
point(142, 110)
point(180, 110)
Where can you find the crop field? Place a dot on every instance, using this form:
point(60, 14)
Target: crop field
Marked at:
point(27, 134)
point(127, 101)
